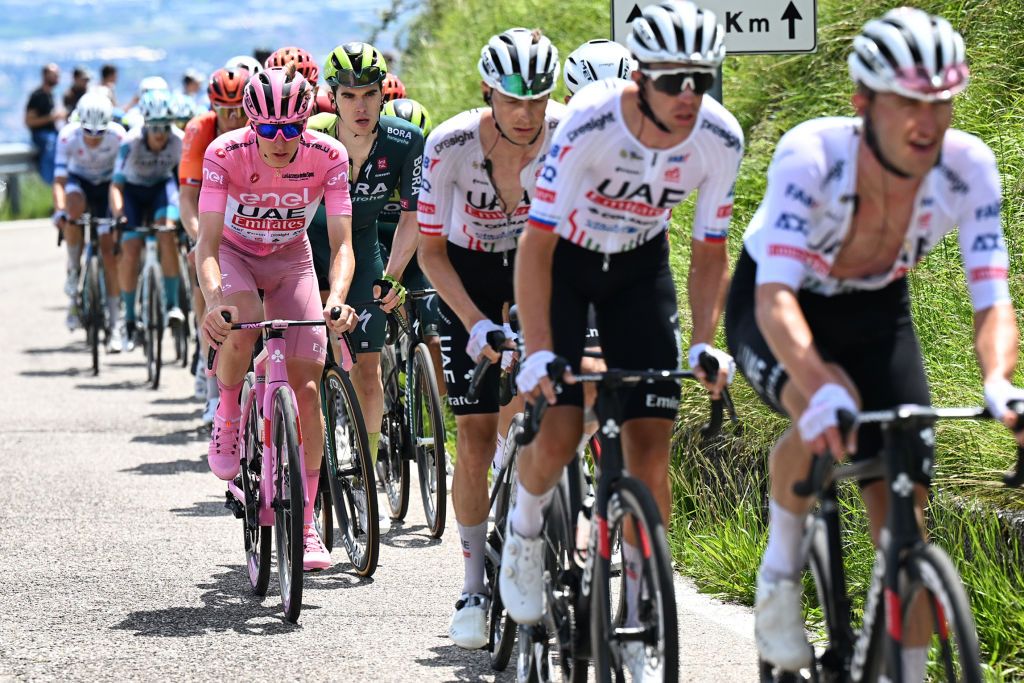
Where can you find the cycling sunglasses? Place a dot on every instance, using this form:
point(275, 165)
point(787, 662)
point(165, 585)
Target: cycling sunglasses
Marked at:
point(517, 86)
point(367, 76)
point(675, 82)
point(97, 133)
point(228, 111)
point(159, 128)
point(269, 131)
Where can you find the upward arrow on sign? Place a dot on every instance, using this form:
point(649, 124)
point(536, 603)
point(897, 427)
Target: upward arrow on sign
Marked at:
point(792, 15)
point(633, 14)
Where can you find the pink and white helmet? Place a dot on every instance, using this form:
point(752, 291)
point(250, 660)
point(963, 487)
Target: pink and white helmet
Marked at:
point(278, 95)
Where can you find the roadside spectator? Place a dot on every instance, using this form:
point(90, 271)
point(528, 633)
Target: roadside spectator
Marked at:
point(108, 80)
point(41, 117)
point(193, 86)
point(80, 78)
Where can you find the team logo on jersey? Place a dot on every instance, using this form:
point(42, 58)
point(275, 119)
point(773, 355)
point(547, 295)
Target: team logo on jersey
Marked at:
point(559, 151)
point(800, 195)
point(988, 211)
point(333, 154)
point(398, 132)
point(382, 164)
point(254, 178)
point(673, 174)
point(545, 195)
point(724, 211)
point(731, 140)
point(678, 159)
point(548, 173)
point(220, 152)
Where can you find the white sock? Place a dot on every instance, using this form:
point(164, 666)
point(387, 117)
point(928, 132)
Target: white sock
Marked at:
point(782, 556)
point(527, 514)
point(473, 539)
point(915, 661)
point(114, 310)
point(212, 389)
point(74, 257)
point(631, 564)
point(499, 453)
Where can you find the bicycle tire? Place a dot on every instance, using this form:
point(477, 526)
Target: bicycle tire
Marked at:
point(324, 510)
point(928, 567)
point(634, 501)
point(92, 310)
point(350, 472)
point(501, 629)
point(256, 538)
point(183, 333)
point(288, 502)
point(426, 424)
point(391, 449)
point(154, 333)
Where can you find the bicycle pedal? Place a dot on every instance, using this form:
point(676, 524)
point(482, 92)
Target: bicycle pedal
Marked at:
point(237, 509)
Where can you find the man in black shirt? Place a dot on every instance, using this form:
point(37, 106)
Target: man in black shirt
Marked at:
point(41, 117)
point(79, 84)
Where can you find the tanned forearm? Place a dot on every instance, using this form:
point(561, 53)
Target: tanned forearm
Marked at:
point(707, 285)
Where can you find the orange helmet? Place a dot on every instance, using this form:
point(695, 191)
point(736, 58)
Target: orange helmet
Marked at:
point(324, 100)
point(304, 63)
point(392, 88)
point(226, 86)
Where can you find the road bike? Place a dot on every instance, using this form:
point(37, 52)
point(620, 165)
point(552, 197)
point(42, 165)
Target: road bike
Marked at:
point(270, 490)
point(907, 568)
point(150, 303)
point(92, 292)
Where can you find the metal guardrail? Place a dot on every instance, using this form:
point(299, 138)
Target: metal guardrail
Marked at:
point(15, 158)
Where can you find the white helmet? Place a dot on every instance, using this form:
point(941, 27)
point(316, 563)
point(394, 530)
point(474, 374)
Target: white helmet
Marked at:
point(595, 60)
point(152, 83)
point(157, 106)
point(245, 62)
point(94, 111)
point(679, 32)
point(519, 63)
point(911, 53)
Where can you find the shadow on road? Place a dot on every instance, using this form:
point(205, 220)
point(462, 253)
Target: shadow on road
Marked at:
point(166, 401)
point(337, 576)
point(65, 372)
point(197, 464)
point(470, 665)
point(213, 507)
point(413, 536)
point(72, 347)
point(175, 438)
point(176, 417)
point(112, 386)
point(228, 605)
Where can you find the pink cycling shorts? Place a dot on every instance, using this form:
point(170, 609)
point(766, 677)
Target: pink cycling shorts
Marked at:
point(289, 287)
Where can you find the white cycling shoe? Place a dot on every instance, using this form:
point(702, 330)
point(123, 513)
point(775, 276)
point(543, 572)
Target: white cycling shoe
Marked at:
point(116, 341)
point(521, 577)
point(779, 624)
point(468, 627)
point(641, 667)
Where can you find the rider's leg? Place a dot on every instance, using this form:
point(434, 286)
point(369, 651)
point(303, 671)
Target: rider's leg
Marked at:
point(128, 274)
point(474, 440)
point(366, 379)
point(168, 249)
point(73, 235)
point(110, 276)
point(539, 466)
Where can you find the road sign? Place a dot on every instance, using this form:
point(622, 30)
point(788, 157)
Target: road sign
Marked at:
point(751, 26)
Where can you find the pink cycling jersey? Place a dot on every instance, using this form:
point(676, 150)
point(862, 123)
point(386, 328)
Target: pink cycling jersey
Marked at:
point(268, 208)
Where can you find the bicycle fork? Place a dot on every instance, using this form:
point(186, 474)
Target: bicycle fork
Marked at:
point(271, 375)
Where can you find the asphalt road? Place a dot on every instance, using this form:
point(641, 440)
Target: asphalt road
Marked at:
point(119, 561)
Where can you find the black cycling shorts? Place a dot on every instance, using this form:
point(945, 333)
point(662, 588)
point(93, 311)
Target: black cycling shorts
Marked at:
point(487, 278)
point(97, 195)
point(869, 334)
point(635, 306)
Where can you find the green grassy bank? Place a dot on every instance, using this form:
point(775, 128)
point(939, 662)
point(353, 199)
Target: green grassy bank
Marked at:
point(718, 530)
point(36, 199)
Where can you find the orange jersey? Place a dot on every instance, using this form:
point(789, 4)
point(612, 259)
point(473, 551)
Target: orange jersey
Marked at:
point(199, 133)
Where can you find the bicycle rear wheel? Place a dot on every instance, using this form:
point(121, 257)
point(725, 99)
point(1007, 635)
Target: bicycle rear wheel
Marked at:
point(257, 538)
point(391, 460)
point(632, 506)
point(427, 426)
point(350, 472)
point(288, 503)
point(927, 573)
point(324, 512)
point(154, 319)
point(92, 310)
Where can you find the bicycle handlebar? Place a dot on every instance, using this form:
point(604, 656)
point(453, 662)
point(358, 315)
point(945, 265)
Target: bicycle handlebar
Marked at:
point(496, 340)
point(821, 464)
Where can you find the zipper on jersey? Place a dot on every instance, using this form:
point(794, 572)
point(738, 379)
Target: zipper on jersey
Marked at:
point(504, 258)
point(606, 263)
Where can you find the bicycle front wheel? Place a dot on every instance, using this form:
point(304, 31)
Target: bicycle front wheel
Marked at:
point(92, 310)
point(651, 639)
point(256, 537)
point(288, 507)
point(928, 574)
point(391, 461)
point(154, 318)
point(350, 472)
point(427, 426)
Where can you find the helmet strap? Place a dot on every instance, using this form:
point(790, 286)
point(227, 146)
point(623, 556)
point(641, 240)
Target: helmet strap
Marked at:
point(871, 138)
point(645, 107)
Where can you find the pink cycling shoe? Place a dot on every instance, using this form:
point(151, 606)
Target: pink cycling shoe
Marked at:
point(223, 454)
point(316, 555)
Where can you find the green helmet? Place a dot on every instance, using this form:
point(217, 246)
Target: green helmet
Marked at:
point(355, 65)
point(411, 111)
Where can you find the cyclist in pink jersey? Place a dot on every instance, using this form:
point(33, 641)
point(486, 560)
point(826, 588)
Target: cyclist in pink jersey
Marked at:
point(261, 187)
